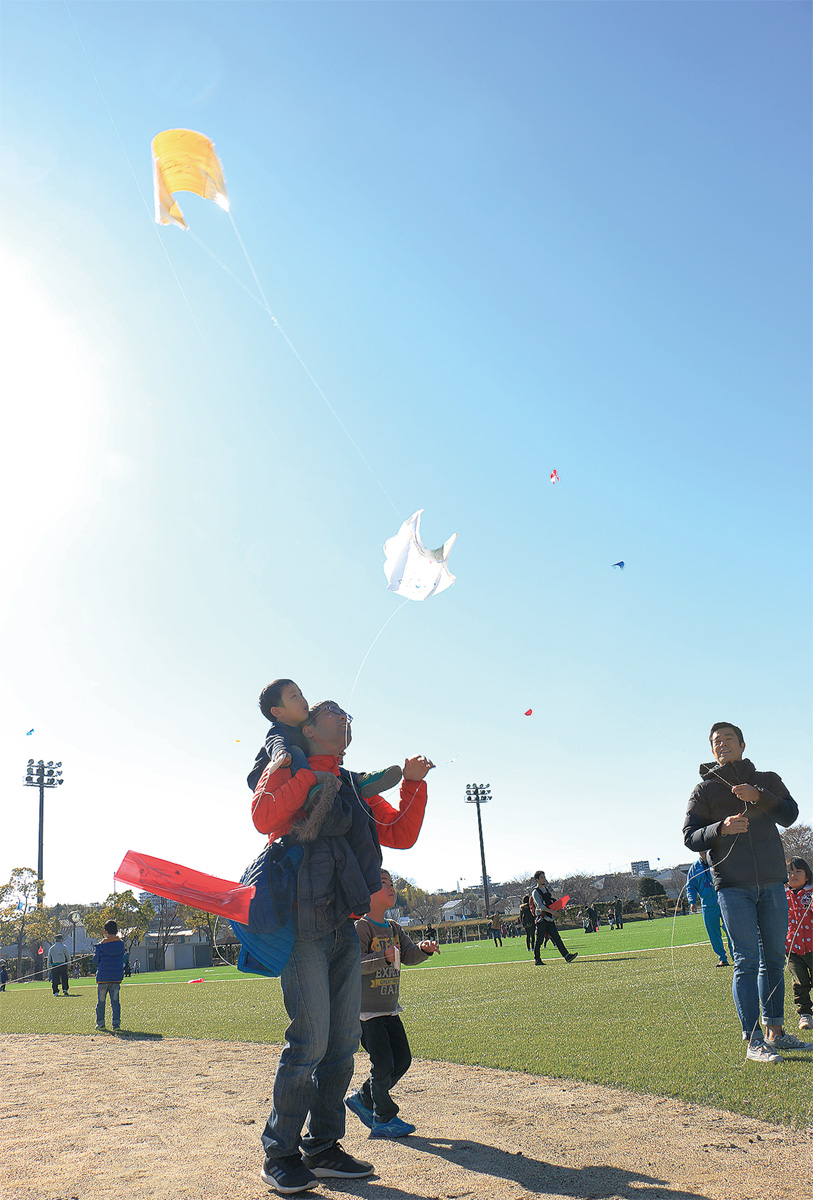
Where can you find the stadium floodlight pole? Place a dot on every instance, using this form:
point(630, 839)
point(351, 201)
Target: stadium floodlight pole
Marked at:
point(480, 793)
point(42, 775)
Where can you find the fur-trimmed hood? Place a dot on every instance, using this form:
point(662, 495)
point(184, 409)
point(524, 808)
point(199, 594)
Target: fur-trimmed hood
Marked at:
point(325, 814)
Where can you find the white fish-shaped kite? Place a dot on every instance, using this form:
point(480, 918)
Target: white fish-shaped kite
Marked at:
point(411, 569)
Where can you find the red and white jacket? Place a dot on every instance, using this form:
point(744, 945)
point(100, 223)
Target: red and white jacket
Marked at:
point(800, 920)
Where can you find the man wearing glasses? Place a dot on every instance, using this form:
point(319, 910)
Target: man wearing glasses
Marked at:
point(321, 984)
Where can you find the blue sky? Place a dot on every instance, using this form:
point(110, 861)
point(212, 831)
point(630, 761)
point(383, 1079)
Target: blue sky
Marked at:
point(504, 238)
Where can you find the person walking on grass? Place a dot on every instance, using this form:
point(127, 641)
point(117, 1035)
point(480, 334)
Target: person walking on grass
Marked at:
point(384, 946)
point(700, 890)
point(733, 814)
point(526, 920)
point(109, 959)
point(546, 930)
point(496, 929)
point(58, 959)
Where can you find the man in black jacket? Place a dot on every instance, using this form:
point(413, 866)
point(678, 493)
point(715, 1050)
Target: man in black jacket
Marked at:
point(733, 814)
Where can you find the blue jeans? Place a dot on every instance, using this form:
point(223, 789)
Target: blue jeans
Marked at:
point(756, 919)
point(713, 920)
point(103, 990)
point(321, 987)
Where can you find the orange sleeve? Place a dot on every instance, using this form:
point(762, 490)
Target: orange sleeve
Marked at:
point(398, 828)
point(279, 798)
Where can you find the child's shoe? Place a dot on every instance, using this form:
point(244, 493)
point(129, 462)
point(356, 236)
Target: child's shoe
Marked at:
point(394, 1128)
point(359, 1109)
point(806, 1021)
point(371, 783)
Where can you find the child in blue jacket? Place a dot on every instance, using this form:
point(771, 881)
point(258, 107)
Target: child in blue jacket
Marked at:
point(109, 959)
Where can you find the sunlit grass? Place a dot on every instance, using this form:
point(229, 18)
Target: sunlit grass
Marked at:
point(655, 1020)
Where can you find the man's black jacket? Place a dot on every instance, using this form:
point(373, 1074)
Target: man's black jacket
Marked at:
point(750, 859)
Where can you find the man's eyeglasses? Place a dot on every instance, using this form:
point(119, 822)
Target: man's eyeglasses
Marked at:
point(337, 712)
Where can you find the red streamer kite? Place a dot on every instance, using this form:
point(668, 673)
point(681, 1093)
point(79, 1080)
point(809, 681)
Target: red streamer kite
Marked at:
point(174, 882)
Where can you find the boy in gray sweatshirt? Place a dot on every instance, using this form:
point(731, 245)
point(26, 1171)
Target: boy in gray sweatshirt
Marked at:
point(384, 946)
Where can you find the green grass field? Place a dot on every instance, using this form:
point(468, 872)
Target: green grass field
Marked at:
point(643, 1008)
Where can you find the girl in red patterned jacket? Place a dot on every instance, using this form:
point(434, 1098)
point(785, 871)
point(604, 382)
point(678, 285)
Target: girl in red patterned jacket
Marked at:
point(799, 944)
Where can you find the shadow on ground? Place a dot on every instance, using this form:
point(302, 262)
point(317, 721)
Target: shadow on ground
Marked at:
point(534, 1176)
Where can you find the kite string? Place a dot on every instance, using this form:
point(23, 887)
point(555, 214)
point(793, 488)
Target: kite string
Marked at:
point(223, 266)
point(692, 1023)
point(305, 367)
point(372, 644)
point(362, 803)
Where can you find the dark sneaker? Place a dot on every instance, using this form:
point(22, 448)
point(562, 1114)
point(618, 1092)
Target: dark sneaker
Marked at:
point(538, 962)
point(359, 1109)
point(394, 1128)
point(288, 1175)
point(570, 957)
point(335, 1163)
point(373, 782)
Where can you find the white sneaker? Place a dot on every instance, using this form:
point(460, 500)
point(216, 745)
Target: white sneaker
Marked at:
point(761, 1052)
point(806, 1021)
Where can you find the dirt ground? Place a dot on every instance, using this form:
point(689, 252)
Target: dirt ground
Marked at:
point(141, 1118)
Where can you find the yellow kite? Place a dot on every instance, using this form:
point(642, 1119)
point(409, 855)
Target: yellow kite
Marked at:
point(184, 161)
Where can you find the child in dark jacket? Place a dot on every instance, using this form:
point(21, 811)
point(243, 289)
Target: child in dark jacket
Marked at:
point(283, 704)
point(384, 946)
point(799, 944)
point(109, 959)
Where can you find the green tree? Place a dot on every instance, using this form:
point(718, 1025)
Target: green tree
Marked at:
point(21, 920)
point(650, 887)
point(132, 916)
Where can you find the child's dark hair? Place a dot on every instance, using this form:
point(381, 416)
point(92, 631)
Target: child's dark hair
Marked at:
point(801, 864)
point(111, 927)
point(271, 697)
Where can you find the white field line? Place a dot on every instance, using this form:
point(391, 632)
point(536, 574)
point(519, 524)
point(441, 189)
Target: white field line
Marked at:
point(506, 962)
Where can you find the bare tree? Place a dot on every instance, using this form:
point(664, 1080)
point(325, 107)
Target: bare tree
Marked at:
point(581, 888)
point(797, 842)
point(166, 913)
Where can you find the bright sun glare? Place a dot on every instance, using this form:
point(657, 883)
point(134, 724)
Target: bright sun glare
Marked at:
point(52, 393)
